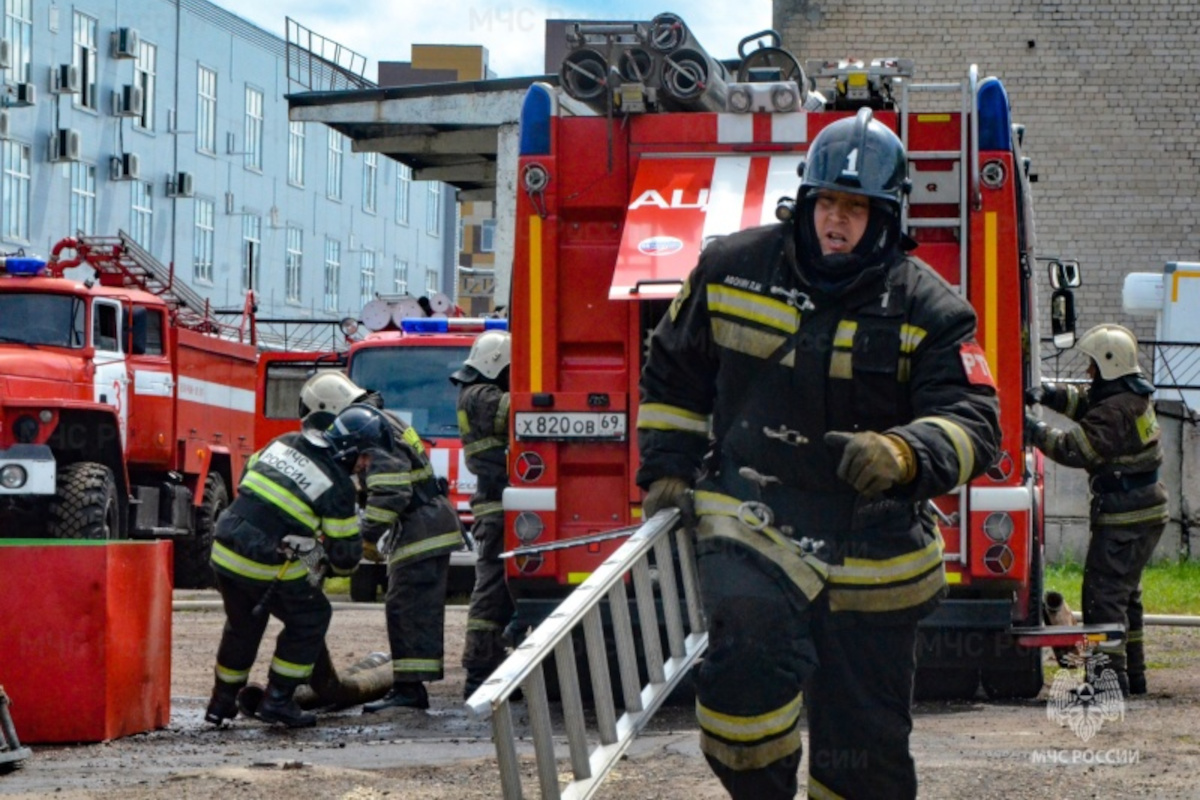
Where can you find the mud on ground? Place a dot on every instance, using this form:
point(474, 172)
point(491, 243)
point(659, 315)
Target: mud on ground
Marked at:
point(963, 749)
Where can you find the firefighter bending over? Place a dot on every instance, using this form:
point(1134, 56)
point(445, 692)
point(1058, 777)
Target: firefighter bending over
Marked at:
point(483, 424)
point(409, 522)
point(816, 386)
point(296, 489)
point(1117, 441)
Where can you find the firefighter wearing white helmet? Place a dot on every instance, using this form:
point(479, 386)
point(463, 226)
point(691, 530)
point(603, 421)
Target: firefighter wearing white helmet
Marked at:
point(483, 425)
point(1117, 441)
point(331, 392)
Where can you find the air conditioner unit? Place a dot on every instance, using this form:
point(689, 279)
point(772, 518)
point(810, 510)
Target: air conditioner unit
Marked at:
point(64, 79)
point(65, 145)
point(180, 185)
point(125, 167)
point(5, 53)
point(25, 94)
point(4, 123)
point(128, 102)
point(126, 43)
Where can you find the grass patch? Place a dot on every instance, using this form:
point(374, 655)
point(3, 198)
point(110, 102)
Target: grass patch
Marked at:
point(1167, 588)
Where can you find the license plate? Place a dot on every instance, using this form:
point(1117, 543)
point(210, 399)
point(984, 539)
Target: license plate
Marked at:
point(552, 425)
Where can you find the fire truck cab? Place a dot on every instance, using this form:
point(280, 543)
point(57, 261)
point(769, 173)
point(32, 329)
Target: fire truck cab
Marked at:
point(612, 212)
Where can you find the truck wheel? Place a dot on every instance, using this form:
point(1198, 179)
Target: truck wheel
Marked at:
point(86, 504)
point(192, 567)
point(1020, 679)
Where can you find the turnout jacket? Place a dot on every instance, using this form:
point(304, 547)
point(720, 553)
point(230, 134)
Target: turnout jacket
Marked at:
point(483, 425)
point(290, 487)
point(751, 366)
point(1118, 442)
point(402, 492)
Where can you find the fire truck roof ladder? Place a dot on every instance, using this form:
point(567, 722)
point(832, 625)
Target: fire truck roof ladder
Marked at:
point(968, 169)
point(582, 610)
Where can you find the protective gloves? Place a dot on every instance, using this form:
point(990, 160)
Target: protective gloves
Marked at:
point(387, 542)
point(371, 552)
point(670, 492)
point(1035, 431)
point(872, 462)
point(1041, 395)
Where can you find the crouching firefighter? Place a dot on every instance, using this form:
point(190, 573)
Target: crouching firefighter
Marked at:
point(810, 388)
point(294, 490)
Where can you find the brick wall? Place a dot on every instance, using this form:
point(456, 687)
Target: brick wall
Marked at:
point(1109, 93)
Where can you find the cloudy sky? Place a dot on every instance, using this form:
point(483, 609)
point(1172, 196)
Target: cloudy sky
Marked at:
point(513, 33)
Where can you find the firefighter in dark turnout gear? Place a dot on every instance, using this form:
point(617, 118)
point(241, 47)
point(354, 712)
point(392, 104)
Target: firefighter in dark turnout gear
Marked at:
point(816, 386)
point(1117, 441)
point(298, 485)
point(483, 424)
point(408, 518)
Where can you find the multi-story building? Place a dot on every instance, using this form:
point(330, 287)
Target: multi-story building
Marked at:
point(167, 119)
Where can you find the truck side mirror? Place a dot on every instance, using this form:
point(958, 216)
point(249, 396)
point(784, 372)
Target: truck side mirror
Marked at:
point(1062, 318)
point(137, 332)
point(1065, 274)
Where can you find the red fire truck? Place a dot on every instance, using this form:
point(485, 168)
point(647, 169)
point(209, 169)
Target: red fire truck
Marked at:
point(126, 408)
point(612, 212)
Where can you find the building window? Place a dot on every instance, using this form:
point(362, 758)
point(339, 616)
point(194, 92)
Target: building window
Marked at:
point(294, 263)
point(206, 111)
point(84, 59)
point(18, 30)
point(433, 209)
point(15, 209)
point(254, 130)
point(333, 273)
point(366, 277)
point(202, 246)
point(83, 198)
point(333, 174)
point(296, 153)
point(400, 277)
point(251, 252)
point(462, 232)
point(145, 75)
point(487, 236)
point(370, 181)
point(431, 282)
point(141, 213)
point(403, 184)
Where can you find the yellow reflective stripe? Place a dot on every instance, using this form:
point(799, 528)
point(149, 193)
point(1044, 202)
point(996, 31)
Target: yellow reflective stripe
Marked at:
point(340, 528)
point(413, 440)
point(399, 478)
point(737, 728)
point(464, 423)
point(1073, 398)
point(482, 625)
point(890, 597)
point(222, 556)
point(1080, 438)
point(1152, 514)
point(841, 364)
point(281, 498)
point(911, 337)
point(903, 369)
point(843, 337)
point(290, 670)
point(747, 305)
point(662, 417)
point(960, 440)
point(487, 443)
point(819, 791)
point(424, 546)
point(740, 758)
point(1147, 425)
point(500, 423)
point(1135, 636)
point(887, 570)
point(236, 676)
point(744, 339)
point(377, 514)
point(486, 508)
point(417, 665)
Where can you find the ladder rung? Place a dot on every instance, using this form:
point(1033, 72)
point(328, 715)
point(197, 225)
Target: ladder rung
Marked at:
point(930, 155)
point(935, 87)
point(934, 222)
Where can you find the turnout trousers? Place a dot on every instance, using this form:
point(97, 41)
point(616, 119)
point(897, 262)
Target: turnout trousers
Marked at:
point(415, 606)
point(1112, 578)
point(491, 605)
point(302, 608)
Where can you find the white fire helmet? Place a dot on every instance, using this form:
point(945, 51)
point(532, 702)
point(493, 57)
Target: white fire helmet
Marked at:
point(490, 354)
point(1113, 348)
point(329, 391)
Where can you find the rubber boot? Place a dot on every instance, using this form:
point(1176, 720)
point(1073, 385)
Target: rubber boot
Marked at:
point(1056, 612)
point(402, 695)
point(222, 706)
point(1137, 683)
point(278, 705)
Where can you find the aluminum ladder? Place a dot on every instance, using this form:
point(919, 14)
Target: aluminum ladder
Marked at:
point(592, 755)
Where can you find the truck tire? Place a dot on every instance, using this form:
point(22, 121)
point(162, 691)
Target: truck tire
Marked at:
point(1018, 675)
point(192, 567)
point(86, 504)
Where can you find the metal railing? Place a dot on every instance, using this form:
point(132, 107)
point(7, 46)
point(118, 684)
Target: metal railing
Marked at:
point(1173, 367)
point(582, 609)
point(316, 63)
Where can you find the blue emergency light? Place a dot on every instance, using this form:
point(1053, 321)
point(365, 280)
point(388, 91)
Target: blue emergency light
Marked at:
point(452, 324)
point(995, 124)
point(21, 265)
point(536, 110)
